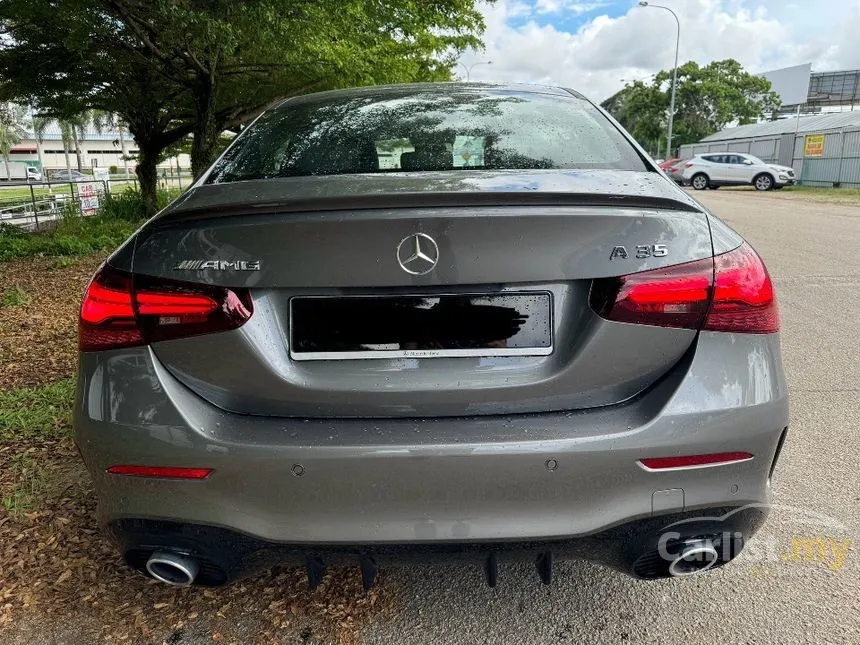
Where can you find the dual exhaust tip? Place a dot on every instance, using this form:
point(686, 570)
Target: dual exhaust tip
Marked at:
point(174, 569)
point(695, 556)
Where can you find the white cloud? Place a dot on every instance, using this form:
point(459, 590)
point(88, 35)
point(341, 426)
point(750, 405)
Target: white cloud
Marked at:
point(595, 57)
point(574, 7)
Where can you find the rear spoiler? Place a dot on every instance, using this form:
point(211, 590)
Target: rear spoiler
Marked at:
point(215, 209)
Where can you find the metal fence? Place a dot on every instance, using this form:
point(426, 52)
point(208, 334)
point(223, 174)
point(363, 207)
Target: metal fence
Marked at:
point(837, 164)
point(34, 206)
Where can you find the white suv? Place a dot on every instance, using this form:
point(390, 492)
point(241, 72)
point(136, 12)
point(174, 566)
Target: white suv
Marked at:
point(716, 169)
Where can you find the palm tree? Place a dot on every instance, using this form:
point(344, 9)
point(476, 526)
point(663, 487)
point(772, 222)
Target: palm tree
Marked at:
point(68, 135)
point(101, 121)
point(77, 126)
point(40, 124)
point(11, 131)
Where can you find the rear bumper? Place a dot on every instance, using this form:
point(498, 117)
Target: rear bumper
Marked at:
point(444, 480)
point(633, 548)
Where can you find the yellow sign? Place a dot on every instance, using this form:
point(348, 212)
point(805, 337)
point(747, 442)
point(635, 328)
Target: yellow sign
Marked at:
point(814, 145)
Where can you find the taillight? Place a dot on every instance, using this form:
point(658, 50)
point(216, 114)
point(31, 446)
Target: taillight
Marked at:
point(688, 165)
point(676, 296)
point(731, 292)
point(744, 300)
point(122, 310)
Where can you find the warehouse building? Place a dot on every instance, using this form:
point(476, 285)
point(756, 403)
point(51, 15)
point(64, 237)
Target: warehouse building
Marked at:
point(98, 149)
point(823, 149)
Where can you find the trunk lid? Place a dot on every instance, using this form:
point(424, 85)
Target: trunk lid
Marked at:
point(534, 239)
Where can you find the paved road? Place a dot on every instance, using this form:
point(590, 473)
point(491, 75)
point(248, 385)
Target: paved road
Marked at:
point(813, 252)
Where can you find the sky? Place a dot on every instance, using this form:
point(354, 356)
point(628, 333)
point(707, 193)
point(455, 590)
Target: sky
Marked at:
point(591, 45)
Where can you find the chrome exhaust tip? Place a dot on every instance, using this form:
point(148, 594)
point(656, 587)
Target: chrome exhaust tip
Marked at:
point(696, 556)
point(174, 569)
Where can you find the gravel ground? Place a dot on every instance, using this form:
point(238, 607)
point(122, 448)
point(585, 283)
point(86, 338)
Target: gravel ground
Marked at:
point(812, 251)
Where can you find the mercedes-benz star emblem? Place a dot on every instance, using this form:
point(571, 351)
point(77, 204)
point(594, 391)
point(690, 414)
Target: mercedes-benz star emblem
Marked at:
point(417, 253)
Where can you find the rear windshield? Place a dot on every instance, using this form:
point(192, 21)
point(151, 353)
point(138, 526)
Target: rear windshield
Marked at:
point(419, 131)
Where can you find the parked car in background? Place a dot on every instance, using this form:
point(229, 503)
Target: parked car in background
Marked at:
point(69, 175)
point(665, 165)
point(717, 169)
point(675, 170)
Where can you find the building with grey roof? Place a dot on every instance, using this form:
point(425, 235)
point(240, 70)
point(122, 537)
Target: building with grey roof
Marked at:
point(823, 149)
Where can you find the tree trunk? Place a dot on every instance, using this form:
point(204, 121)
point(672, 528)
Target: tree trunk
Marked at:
point(41, 159)
point(78, 153)
point(8, 170)
point(68, 159)
point(124, 149)
point(205, 131)
point(147, 175)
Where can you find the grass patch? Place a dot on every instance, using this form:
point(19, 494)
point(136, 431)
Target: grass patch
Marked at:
point(825, 191)
point(119, 216)
point(73, 236)
point(41, 412)
point(33, 484)
point(15, 296)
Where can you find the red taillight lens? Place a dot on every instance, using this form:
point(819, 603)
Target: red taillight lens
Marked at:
point(743, 294)
point(694, 461)
point(121, 310)
point(732, 292)
point(677, 296)
point(162, 472)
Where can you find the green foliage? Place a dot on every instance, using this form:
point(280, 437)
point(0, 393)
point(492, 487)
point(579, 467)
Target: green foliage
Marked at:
point(35, 480)
point(118, 217)
point(126, 205)
point(170, 68)
point(11, 130)
point(113, 170)
point(707, 100)
point(37, 412)
point(15, 296)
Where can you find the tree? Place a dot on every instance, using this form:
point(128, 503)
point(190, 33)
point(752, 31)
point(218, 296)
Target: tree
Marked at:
point(11, 131)
point(171, 68)
point(707, 100)
point(233, 58)
point(62, 58)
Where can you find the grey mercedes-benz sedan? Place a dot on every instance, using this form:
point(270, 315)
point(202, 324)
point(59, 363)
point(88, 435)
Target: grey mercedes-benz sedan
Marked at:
point(458, 321)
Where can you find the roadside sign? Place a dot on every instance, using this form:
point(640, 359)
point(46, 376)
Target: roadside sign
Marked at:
point(814, 146)
point(89, 195)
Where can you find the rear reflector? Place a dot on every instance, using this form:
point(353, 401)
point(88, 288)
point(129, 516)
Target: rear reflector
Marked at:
point(731, 292)
point(164, 472)
point(121, 310)
point(694, 461)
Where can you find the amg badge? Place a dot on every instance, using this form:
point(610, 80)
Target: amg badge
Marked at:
point(218, 265)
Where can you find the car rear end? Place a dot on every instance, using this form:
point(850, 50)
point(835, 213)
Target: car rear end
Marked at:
point(498, 347)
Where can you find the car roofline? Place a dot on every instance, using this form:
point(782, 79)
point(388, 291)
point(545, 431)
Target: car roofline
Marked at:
point(447, 86)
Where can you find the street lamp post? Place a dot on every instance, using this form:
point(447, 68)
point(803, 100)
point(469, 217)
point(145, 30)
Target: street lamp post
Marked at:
point(469, 67)
point(674, 73)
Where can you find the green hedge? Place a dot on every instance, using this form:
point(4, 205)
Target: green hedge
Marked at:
point(119, 216)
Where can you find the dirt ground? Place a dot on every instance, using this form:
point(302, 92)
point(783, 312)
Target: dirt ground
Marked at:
point(60, 580)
